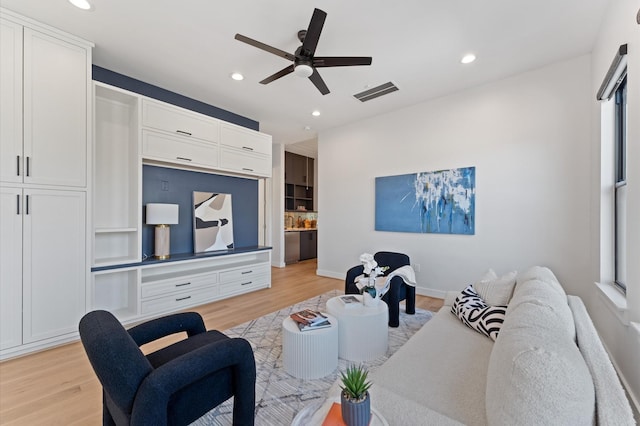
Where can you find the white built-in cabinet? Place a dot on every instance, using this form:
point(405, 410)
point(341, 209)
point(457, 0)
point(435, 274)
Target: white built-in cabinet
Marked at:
point(45, 133)
point(132, 130)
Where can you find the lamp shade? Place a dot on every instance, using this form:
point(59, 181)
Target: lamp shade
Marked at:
point(162, 214)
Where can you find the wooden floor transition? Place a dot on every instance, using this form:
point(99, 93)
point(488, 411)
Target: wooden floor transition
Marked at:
point(58, 386)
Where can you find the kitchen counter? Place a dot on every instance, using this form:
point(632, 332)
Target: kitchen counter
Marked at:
point(299, 229)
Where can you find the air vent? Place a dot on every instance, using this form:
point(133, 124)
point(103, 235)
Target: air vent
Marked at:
point(376, 92)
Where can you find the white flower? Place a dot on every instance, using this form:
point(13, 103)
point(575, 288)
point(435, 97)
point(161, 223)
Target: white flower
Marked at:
point(368, 262)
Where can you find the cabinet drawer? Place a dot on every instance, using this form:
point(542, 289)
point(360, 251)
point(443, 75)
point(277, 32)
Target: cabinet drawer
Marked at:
point(245, 285)
point(159, 288)
point(179, 150)
point(244, 162)
point(244, 273)
point(177, 120)
point(245, 139)
point(179, 301)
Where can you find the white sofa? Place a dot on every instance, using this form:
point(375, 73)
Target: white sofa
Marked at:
point(546, 367)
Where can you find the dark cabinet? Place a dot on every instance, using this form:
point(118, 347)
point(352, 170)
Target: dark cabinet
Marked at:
point(298, 169)
point(298, 177)
point(308, 245)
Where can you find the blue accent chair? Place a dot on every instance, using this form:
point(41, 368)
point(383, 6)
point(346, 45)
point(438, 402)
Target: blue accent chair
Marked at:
point(174, 385)
point(398, 290)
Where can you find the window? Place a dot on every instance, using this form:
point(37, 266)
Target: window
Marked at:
point(620, 197)
point(613, 92)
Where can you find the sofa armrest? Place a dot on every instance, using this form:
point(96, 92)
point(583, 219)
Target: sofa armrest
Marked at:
point(612, 406)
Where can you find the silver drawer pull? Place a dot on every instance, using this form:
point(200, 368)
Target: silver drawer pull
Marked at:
point(249, 170)
point(183, 158)
point(246, 272)
point(182, 132)
point(183, 298)
point(248, 148)
point(27, 171)
point(247, 283)
point(182, 285)
point(18, 166)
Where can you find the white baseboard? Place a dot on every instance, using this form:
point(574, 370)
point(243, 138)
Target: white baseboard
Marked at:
point(276, 264)
point(423, 291)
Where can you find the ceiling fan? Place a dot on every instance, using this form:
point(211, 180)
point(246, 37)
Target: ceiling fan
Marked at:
point(304, 61)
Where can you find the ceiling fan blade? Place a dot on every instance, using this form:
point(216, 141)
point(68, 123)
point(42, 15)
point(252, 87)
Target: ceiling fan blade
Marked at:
point(319, 82)
point(313, 32)
point(341, 61)
point(266, 47)
point(281, 73)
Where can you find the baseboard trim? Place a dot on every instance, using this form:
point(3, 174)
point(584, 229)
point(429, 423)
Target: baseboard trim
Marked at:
point(423, 291)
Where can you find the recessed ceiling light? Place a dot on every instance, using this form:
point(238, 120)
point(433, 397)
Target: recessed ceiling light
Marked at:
point(237, 76)
point(315, 113)
point(307, 128)
point(467, 59)
point(81, 4)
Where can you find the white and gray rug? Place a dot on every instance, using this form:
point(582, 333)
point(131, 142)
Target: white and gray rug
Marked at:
point(279, 396)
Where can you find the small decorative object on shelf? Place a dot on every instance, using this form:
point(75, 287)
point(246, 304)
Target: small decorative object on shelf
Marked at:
point(307, 319)
point(371, 295)
point(354, 398)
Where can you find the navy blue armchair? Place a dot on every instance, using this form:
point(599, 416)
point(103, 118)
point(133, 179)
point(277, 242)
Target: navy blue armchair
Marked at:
point(398, 290)
point(174, 385)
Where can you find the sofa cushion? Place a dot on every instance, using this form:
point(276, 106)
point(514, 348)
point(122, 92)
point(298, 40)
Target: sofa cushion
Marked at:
point(442, 367)
point(538, 285)
point(496, 290)
point(536, 374)
point(477, 315)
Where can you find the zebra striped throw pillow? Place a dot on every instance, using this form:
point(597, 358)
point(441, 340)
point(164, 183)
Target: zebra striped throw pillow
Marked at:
point(474, 312)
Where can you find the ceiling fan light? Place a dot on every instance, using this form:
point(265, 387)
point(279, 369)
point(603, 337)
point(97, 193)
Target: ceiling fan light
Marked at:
point(303, 70)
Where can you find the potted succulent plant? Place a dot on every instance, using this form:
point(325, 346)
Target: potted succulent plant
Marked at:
point(354, 398)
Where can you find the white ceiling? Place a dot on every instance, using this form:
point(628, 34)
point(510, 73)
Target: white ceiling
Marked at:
point(188, 46)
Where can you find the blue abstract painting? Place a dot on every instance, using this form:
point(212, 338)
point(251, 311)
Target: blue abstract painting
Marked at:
point(441, 202)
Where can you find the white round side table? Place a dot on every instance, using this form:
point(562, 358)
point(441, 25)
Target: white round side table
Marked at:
point(364, 330)
point(309, 354)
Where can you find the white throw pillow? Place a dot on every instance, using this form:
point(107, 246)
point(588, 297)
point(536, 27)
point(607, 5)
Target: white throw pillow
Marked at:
point(494, 290)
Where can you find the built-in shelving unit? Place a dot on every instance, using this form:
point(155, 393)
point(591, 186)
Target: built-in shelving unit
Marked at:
point(132, 130)
point(117, 178)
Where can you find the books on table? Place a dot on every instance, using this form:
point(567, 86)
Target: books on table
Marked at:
point(349, 300)
point(308, 319)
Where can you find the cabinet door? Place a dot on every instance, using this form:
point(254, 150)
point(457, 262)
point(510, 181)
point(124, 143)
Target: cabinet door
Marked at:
point(158, 146)
point(54, 258)
point(55, 110)
point(245, 139)
point(10, 267)
point(288, 167)
point(179, 121)
point(10, 101)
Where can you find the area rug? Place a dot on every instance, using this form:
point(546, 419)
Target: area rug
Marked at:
point(280, 396)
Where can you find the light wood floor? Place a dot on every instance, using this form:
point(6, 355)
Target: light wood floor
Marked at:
point(58, 386)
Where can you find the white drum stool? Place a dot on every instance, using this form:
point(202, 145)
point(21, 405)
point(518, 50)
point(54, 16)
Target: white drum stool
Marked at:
point(364, 331)
point(309, 354)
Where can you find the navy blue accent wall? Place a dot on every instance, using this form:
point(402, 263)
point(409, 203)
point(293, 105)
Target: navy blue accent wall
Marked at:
point(164, 185)
point(124, 82)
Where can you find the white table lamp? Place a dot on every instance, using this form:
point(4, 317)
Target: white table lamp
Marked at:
point(162, 215)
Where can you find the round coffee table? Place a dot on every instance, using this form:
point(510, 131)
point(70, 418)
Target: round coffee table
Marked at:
point(309, 354)
point(363, 331)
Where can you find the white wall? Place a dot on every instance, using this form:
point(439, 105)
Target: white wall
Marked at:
point(528, 137)
point(277, 206)
point(617, 318)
